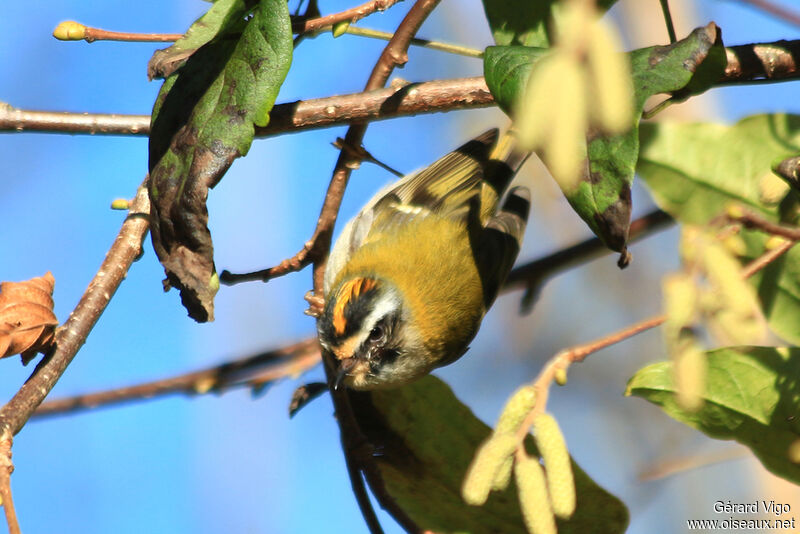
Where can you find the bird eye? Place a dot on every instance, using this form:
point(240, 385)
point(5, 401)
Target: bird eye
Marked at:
point(376, 333)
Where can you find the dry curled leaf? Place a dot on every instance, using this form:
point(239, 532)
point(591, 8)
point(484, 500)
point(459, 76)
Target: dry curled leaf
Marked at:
point(27, 321)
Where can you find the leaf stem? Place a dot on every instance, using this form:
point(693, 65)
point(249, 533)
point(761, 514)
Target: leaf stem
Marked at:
point(433, 45)
point(668, 20)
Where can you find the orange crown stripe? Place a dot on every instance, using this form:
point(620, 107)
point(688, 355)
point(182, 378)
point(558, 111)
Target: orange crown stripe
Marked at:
point(349, 291)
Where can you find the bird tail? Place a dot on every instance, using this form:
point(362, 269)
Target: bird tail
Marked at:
point(505, 159)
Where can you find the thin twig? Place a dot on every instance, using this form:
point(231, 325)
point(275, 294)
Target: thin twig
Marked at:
point(97, 34)
point(75, 31)
point(673, 466)
point(668, 21)
point(559, 363)
point(765, 259)
point(253, 371)
point(783, 13)
point(350, 15)
point(70, 337)
point(752, 220)
point(6, 499)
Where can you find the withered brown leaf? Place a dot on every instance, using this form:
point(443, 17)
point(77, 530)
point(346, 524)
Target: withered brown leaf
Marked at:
point(27, 321)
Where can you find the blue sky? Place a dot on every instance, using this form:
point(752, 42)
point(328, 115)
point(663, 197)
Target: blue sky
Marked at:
point(235, 463)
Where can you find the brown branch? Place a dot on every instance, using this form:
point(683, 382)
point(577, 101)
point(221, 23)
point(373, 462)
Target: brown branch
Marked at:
point(253, 371)
point(21, 120)
point(75, 31)
point(70, 337)
point(668, 467)
point(752, 220)
point(559, 364)
point(785, 14)
point(382, 104)
point(219, 378)
point(765, 259)
point(69, 30)
point(6, 499)
point(773, 61)
point(97, 34)
point(350, 15)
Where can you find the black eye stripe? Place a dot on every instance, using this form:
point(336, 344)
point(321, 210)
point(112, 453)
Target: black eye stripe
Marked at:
point(355, 311)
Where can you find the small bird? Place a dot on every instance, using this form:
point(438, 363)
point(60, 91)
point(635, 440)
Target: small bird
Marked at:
point(412, 275)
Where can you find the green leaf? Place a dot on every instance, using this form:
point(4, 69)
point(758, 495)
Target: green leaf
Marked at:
point(695, 170)
point(224, 16)
point(203, 119)
point(522, 22)
point(507, 69)
point(778, 287)
point(752, 396)
point(422, 456)
point(602, 198)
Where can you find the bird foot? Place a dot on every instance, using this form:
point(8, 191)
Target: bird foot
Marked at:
point(316, 305)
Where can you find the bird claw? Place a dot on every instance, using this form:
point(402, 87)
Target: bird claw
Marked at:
point(316, 305)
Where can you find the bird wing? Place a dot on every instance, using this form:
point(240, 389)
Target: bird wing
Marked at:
point(462, 184)
point(496, 248)
point(449, 187)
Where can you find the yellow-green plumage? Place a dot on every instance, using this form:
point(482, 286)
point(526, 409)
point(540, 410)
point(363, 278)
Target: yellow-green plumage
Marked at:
point(446, 310)
point(439, 250)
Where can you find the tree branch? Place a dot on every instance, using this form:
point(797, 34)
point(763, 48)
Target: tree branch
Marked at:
point(769, 62)
point(252, 371)
point(754, 221)
point(70, 337)
point(411, 99)
point(351, 15)
point(746, 63)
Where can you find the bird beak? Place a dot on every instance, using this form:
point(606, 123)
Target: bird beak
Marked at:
point(345, 366)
